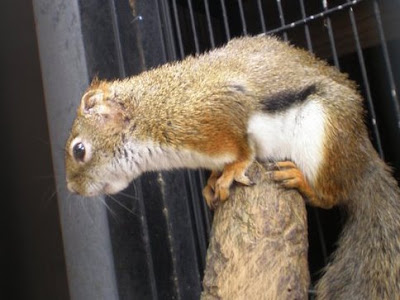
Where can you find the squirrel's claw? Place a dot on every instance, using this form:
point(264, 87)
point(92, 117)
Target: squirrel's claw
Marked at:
point(208, 195)
point(209, 190)
point(243, 179)
point(218, 185)
point(216, 191)
point(290, 176)
point(222, 188)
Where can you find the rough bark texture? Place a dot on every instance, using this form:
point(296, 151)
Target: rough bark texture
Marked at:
point(258, 248)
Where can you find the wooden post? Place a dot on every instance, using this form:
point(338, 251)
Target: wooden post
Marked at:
point(258, 247)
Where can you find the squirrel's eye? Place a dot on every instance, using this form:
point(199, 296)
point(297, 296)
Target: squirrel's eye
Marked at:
point(79, 152)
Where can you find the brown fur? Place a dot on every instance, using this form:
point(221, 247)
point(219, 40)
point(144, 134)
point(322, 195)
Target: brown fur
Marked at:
point(203, 105)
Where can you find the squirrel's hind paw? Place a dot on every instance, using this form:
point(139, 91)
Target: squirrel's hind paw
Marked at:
point(290, 176)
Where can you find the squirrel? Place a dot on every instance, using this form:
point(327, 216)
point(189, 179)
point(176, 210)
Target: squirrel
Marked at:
point(254, 98)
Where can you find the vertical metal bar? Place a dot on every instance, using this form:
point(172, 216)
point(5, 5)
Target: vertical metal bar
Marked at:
point(242, 17)
point(178, 29)
point(331, 36)
point(261, 12)
point(196, 201)
point(117, 39)
point(209, 24)
point(366, 82)
point(197, 204)
point(145, 230)
point(225, 17)
point(282, 18)
point(87, 244)
point(201, 237)
point(193, 23)
point(306, 28)
point(138, 187)
point(388, 63)
point(320, 232)
point(164, 17)
point(205, 209)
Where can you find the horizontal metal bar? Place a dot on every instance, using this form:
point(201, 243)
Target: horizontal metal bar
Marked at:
point(314, 17)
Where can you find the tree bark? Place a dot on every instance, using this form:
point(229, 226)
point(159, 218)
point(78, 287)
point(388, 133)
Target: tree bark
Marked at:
point(258, 247)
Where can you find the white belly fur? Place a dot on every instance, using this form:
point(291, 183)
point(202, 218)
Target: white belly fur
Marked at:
point(295, 134)
point(147, 156)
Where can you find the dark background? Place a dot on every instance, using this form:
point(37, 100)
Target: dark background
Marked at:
point(31, 250)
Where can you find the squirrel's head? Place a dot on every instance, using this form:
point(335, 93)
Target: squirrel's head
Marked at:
point(94, 154)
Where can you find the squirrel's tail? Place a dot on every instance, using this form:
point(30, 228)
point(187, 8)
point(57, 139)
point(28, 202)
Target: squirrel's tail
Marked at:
point(366, 264)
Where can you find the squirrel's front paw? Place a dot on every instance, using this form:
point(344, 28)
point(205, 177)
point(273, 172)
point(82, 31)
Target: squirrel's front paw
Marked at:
point(209, 190)
point(222, 189)
point(217, 189)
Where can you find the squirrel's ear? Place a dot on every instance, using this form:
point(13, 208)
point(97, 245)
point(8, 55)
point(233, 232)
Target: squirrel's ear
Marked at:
point(100, 105)
point(93, 102)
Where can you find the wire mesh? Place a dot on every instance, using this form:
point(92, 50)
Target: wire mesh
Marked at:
point(327, 32)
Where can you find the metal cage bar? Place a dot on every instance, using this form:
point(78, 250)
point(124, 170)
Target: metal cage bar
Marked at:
point(319, 228)
point(209, 24)
point(281, 18)
point(193, 24)
point(87, 244)
point(331, 35)
point(178, 29)
point(306, 29)
point(388, 63)
point(242, 17)
point(200, 213)
point(321, 15)
point(225, 18)
point(366, 82)
point(261, 13)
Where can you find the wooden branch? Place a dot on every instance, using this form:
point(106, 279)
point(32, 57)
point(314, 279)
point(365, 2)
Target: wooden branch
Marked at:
point(258, 247)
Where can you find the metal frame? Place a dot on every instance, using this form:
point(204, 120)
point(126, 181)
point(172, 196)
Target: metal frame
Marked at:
point(87, 244)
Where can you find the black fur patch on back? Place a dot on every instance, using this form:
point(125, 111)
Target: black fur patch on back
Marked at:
point(285, 99)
